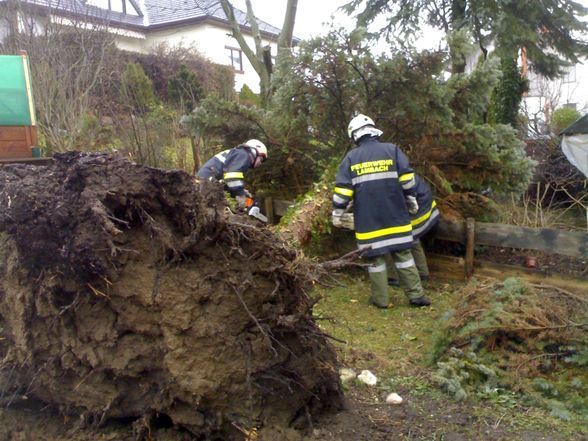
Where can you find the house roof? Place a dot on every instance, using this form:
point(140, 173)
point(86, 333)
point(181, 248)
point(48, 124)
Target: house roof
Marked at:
point(579, 127)
point(153, 13)
point(168, 12)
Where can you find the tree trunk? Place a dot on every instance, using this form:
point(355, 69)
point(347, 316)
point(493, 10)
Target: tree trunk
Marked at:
point(285, 39)
point(458, 21)
point(260, 58)
point(195, 152)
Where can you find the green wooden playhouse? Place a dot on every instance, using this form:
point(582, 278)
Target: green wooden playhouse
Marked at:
point(18, 132)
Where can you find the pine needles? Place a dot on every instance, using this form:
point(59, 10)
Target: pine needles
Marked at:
point(515, 337)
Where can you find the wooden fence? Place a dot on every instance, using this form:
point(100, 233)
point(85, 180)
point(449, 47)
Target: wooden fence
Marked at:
point(471, 233)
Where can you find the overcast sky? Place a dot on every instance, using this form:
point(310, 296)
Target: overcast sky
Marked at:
point(310, 16)
point(313, 14)
point(313, 18)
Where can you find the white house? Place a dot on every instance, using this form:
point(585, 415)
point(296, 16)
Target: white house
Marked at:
point(139, 25)
point(546, 95)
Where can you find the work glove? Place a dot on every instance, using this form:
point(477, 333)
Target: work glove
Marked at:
point(412, 204)
point(348, 221)
point(241, 202)
point(341, 219)
point(336, 217)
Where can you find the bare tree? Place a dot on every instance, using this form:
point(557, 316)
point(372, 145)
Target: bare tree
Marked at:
point(547, 93)
point(67, 58)
point(260, 56)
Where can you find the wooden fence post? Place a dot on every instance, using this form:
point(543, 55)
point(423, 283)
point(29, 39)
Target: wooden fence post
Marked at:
point(269, 209)
point(470, 228)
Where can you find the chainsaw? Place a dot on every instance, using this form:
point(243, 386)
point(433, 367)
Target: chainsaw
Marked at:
point(254, 211)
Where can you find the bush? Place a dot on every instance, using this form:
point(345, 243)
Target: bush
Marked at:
point(249, 98)
point(513, 337)
point(184, 89)
point(563, 118)
point(138, 88)
point(164, 63)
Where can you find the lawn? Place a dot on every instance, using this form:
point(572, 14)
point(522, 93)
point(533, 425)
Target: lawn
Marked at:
point(397, 345)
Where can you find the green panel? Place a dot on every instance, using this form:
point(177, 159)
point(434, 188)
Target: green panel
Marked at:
point(14, 102)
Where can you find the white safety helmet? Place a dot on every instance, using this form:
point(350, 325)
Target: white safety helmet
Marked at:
point(357, 123)
point(258, 146)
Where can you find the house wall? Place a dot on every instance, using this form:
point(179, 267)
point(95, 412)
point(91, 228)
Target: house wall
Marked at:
point(209, 39)
point(547, 95)
point(574, 89)
point(212, 42)
point(131, 44)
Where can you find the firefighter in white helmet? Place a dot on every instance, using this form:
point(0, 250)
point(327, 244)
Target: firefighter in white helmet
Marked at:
point(378, 179)
point(231, 165)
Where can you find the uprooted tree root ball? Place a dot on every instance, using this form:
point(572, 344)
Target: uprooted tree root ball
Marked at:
point(129, 291)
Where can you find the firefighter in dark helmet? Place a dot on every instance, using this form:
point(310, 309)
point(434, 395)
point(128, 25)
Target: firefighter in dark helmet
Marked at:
point(378, 179)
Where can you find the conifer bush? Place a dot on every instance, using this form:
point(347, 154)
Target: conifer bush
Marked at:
point(515, 337)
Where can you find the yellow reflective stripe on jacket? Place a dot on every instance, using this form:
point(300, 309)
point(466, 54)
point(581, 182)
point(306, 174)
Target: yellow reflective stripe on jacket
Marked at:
point(344, 191)
point(383, 232)
point(234, 175)
point(406, 177)
point(425, 216)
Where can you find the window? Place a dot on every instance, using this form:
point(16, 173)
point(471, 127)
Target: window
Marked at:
point(235, 58)
point(124, 6)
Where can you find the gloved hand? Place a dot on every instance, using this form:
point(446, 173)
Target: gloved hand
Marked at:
point(241, 202)
point(336, 217)
point(348, 221)
point(412, 204)
point(342, 219)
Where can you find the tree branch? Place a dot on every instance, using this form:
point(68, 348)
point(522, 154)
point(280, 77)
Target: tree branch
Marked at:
point(286, 35)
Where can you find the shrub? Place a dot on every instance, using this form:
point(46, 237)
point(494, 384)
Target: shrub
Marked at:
point(562, 118)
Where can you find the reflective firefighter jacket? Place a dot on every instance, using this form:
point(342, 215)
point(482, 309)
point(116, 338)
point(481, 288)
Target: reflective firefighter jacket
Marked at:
point(229, 166)
point(377, 177)
point(428, 215)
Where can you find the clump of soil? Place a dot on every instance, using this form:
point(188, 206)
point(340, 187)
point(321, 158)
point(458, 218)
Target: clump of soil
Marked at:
point(459, 206)
point(130, 292)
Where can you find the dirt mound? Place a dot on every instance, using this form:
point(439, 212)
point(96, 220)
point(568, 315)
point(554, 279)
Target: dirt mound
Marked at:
point(128, 292)
point(459, 206)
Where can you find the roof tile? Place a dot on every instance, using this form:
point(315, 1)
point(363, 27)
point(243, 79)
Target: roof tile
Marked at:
point(154, 12)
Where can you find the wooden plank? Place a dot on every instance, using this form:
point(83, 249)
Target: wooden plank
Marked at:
point(448, 267)
point(268, 204)
point(28, 137)
point(569, 243)
point(14, 151)
point(470, 246)
point(451, 231)
point(34, 136)
point(12, 133)
point(501, 272)
point(280, 207)
point(14, 144)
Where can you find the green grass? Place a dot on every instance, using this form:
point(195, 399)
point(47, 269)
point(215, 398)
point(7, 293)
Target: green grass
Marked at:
point(398, 346)
point(397, 339)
